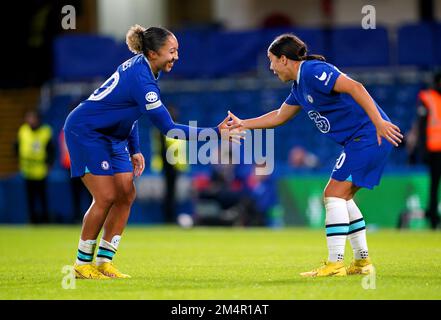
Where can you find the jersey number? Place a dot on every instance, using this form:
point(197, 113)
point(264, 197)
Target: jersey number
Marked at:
point(340, 161)
point(105, 88)
point(321, 122)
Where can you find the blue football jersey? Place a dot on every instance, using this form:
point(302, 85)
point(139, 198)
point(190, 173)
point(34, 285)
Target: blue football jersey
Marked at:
point(110, 113)
point(335, 114)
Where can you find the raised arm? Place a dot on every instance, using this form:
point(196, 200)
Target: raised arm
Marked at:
point(272, 119)
point(384, 128)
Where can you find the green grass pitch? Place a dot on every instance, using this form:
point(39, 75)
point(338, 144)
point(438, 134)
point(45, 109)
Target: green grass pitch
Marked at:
point(218, 263)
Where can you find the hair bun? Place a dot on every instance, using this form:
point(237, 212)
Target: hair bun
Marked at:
point(134, 38)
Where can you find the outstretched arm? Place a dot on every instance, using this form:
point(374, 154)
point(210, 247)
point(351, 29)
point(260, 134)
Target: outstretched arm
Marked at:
point(384, 128)
point(272, 119)
point(161, 118)
point(147, 95)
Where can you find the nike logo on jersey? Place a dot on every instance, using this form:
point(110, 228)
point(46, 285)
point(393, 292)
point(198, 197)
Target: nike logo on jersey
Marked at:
point(329, 78)
point(322, 77)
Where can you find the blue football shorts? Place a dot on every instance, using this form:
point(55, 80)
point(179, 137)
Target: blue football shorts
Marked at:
point(362, 161)
point(102, 159)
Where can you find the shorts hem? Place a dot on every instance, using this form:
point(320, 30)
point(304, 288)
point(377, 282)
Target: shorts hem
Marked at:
point(95, 174)
point(357, 184)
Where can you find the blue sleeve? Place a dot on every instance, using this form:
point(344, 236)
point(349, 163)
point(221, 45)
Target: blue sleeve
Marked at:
point(133, 140)
point(291, 100)
point(147, 95)
point(321, 76)
point(145, 92)
point(160, 117)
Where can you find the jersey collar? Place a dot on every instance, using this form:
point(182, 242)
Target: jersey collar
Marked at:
point(298, 72)
point(151, 71)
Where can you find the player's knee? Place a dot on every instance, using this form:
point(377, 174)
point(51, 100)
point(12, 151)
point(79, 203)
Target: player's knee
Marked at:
point(106, 199)
point(127, 197)
point(333, 192)
point(328, 192)
point(131, 195)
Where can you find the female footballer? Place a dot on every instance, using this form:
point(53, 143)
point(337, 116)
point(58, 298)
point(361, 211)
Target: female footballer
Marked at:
point(102, 138)
point(344, 111)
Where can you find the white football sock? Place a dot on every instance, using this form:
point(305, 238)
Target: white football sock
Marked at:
point(357, 231)
point(86, 248)
point(337, 226)
point(107, 250)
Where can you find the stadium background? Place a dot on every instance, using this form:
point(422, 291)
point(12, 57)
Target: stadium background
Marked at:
point(222, 66)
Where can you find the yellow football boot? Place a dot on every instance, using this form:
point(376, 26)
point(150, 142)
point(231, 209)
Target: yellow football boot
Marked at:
point(362, 266)
point(108, 269)
point(327, 270)
point(88, 271)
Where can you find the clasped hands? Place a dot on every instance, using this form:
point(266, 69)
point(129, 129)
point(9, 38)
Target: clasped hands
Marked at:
point(232, 128)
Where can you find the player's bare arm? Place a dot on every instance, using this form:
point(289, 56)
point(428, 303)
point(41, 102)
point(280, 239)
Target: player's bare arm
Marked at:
point(269, 120)
point(384, 128)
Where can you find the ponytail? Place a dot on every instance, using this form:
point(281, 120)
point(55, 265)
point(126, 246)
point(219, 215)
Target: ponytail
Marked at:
point(134, 39)
point(141, 40)
point(313, 57)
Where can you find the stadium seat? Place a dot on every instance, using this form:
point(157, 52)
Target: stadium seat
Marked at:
point(314, 38)
point(193, 59)
point(437, 43)
point(232, 52)
point(418, 44)
point(356, 47)
point(84, 57)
